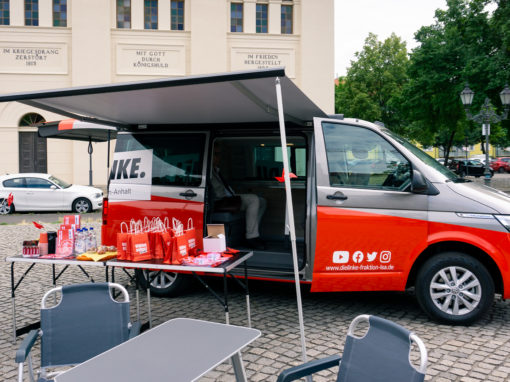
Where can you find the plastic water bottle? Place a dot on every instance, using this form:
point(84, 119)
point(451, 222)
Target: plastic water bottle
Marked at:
point(92, 239)
point(79, 243)
point(85, 235)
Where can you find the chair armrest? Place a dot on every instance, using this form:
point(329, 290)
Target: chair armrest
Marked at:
point(135, 329)
point(26, 346)
point(308, 368)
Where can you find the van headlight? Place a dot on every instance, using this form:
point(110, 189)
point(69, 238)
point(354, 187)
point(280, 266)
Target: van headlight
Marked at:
point(504, 220)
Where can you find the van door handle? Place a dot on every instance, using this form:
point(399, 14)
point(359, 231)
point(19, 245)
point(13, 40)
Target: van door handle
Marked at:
point(188, 194)
point(337, 196)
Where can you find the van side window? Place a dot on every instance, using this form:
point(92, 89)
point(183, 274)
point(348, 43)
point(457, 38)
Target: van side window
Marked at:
point(261, 159)
point(177, 158)
point(360, 158)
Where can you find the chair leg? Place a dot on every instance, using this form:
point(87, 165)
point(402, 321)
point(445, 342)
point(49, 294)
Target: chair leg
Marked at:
point(30, 368)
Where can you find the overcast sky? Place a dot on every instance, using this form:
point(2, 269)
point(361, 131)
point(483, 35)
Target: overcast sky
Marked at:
point(355, 19)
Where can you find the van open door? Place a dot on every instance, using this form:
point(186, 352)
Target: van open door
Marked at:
point(370, 225)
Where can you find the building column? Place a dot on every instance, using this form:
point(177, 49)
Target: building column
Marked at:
point(209, 26)
point(164, 15)
point(17, 13)
point(45, 13)
point(249, 15)
point(275, 16)
point(137, 14)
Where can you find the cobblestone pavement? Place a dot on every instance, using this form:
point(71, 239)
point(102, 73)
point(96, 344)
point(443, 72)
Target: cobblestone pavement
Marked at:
point(480, 352)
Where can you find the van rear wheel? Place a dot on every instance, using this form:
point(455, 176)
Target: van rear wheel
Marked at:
point(164, 283)
point(454, 288)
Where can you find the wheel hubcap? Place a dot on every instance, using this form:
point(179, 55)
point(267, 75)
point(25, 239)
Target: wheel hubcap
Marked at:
point(161, 279)
point(4, 208)
point(82, 206)
point(455, 290)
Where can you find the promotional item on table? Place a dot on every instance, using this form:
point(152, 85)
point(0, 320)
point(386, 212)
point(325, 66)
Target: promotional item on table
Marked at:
point(168, 241)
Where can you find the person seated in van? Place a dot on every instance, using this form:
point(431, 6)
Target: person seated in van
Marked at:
point(361, 166)
point(252, 205)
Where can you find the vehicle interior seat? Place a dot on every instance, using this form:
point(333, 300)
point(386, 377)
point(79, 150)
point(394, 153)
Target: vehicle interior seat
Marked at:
point(233, 221)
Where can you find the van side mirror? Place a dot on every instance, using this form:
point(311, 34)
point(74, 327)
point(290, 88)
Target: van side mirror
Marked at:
point(418, 183)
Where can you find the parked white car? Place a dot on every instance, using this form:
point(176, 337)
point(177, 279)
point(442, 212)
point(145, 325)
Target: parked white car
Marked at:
point(44, 192)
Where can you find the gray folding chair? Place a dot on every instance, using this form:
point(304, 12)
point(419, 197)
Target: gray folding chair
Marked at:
point(382, 354)
point(87, 321)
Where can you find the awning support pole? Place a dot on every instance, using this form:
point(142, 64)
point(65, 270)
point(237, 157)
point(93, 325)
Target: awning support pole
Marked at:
point(108, 165)
point(90, 150)
point(290, 214)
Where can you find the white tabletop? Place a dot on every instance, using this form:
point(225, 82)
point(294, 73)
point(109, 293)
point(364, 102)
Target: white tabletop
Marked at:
point(181, 349)
point(71, 261)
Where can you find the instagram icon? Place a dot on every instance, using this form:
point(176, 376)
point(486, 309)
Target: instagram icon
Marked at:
point(385, 257)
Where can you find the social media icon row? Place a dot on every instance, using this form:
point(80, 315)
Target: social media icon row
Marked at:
point(342, 257)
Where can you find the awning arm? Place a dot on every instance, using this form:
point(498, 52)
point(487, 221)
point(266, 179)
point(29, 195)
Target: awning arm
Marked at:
point(290, 214)
point(72, 115)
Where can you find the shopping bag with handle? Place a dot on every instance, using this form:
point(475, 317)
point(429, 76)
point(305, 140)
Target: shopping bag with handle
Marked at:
point(122, 241)
point(139, 246)
point(191, 239)
point(180, 243)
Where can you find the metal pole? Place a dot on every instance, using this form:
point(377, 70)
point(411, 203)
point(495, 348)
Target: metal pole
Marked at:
point(90, 150)
point(487, 173)
point(290, 211)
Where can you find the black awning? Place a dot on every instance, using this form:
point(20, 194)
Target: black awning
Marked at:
point(239, 97)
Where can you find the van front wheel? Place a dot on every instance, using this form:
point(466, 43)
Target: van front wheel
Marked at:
point(454, 288)
point(164, 283)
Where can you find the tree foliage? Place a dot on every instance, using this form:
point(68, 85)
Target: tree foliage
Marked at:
point(468, 42)
point(372, 89)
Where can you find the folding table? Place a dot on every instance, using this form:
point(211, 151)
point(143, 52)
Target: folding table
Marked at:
point(179, 350)
point(49, 261)
point(223, 269)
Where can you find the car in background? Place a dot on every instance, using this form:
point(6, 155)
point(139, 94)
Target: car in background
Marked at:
point(501, 164)
point(480, 157)
point(44, 192)
point(471, 167)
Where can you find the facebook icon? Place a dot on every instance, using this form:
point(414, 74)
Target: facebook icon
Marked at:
point(357, 257)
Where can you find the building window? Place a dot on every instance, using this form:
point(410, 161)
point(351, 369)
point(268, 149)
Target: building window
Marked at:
point(4, 12)
point(59, 13)
point(286, 19)
point(32, 12)
point(261, 18)
point(177, 15)
point(151, 14)
point(124, 14)
point(236, 17)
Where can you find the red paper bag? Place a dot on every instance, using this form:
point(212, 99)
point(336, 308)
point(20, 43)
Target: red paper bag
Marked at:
point(122, 242)
point(156, 241)
point(139, 246)
point(179, 249)
point(167, 242)
point(191, 239)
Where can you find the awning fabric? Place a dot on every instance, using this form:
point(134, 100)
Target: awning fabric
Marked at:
point(77, 130)
point(238, 97)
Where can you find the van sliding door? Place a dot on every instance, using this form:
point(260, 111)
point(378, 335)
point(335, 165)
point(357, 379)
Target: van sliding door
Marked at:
point(370, 226)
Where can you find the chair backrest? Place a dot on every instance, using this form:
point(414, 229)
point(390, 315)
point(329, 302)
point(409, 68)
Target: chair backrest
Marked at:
point(381, 355)
point(86, 322)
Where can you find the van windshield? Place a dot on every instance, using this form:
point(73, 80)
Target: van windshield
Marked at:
point(424, 157)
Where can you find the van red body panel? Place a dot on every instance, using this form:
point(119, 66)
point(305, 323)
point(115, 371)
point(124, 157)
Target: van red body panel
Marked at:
point(359, 251)
point(158, 206)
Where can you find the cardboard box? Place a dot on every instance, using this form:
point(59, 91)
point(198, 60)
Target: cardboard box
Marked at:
point(215, 239)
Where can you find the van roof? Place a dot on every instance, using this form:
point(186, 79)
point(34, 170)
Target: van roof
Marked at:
point(235, 97)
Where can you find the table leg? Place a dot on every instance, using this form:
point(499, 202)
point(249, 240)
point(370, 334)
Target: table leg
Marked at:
point(225, 296)
point(147, 277)
point(248, 312)
point(237, 363)
point(54, 283)
point(13, 304)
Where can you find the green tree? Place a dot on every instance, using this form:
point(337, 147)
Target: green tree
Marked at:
point(372, 89)
point(463, 45)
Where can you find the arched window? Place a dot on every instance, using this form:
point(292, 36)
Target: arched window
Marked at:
point(31, 119)
point(32, 148)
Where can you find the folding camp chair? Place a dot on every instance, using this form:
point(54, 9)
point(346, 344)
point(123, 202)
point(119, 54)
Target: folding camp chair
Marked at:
point(382, 354)
point(87, 321)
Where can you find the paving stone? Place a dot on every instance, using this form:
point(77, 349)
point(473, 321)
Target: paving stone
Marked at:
point(480, 352)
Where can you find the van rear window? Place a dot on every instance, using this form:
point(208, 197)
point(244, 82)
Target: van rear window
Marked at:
point(177, 158)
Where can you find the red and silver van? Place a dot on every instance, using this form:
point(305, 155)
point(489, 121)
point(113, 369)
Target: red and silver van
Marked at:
point(372, 211)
